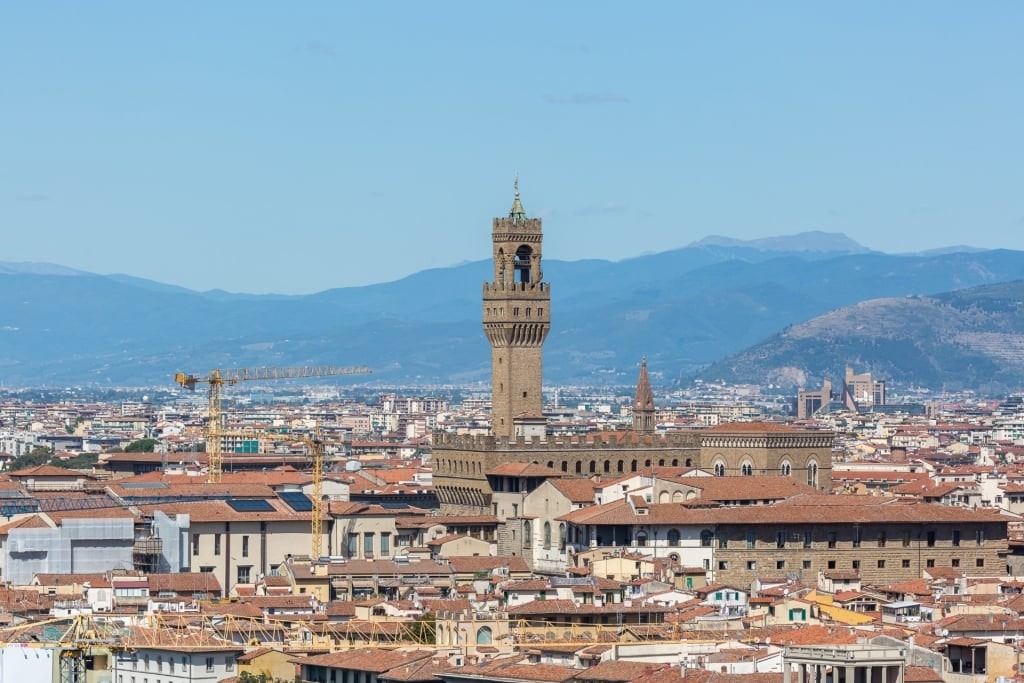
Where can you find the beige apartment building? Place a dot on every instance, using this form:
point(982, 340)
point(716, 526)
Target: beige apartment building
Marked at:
point(240, 546)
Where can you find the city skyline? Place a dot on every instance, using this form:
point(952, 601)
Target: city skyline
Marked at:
point(270, 150)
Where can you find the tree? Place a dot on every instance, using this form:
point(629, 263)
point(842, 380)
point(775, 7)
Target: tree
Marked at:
point(141, 446)
point(246, 677)
point(424, 629)
point(38, 456)
point(82, 461)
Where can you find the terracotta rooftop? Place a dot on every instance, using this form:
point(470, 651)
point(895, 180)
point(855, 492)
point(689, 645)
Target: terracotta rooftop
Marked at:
point(371, 660)
point(516, 469)
point(184, 583)
point(921, 674)
point(802, 508)
point(476, 564)
point(577, 490)
point(765, 487)
point(49, 471)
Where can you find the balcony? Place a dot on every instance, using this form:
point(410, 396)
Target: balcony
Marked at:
point(131, 600)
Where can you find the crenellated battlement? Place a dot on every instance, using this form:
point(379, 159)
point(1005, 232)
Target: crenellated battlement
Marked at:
point(814, 439)
point(591, 442)
point(535, 290)
point(509, 229)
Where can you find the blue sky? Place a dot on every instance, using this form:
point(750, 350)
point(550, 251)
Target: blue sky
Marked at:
point(295, 147)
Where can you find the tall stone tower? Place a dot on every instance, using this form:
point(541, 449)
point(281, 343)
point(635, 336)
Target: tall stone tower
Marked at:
point(643, 404)
point(517, 317)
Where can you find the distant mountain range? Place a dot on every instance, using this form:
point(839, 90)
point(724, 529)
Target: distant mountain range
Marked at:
point(686, 310)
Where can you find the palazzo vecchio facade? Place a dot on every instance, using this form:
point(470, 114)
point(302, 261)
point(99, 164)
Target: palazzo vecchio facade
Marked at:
point(516, 320)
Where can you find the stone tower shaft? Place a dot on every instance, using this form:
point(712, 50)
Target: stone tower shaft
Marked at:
point(516, 318)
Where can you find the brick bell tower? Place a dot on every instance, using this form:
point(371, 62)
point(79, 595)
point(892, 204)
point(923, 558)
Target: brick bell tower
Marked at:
point(517, 317)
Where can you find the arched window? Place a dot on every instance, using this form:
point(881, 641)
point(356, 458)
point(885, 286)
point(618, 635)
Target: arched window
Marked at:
point(483, 635)
point(551, 464)
point(607, 466)
point(579, 467)
point(719, 469)
point(632, 467)
point(565, 465)
point(786, 469)
point(522, 263)
point(593, 466)
point(527, 533)
point(705, 538)
point(747, 469)
point(661, 463)
point(547, 535)
point(812, 474)
point(561, 537)
point(689, 462)
point(499, 264)
point(622, 466)
point(673, 538)
point(675, 462)
point(641, 538)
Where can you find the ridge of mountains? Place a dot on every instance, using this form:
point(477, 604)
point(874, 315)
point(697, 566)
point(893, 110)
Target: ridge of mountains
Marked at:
point(707, 308)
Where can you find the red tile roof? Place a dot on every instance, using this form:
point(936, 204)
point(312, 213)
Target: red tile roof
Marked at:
point(372, 660)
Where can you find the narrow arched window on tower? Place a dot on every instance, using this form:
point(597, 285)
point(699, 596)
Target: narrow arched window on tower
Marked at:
point(522, 264)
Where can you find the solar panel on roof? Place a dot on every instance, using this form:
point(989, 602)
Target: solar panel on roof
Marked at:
point(250, 505)
point(296, 500)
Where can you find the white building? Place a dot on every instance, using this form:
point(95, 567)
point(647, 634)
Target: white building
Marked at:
point(170, 664)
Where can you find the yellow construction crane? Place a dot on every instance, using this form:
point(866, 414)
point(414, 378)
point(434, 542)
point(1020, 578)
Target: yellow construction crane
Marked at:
point(218, 378)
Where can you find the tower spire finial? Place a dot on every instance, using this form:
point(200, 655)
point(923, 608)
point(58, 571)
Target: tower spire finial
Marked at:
point(517, 213)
